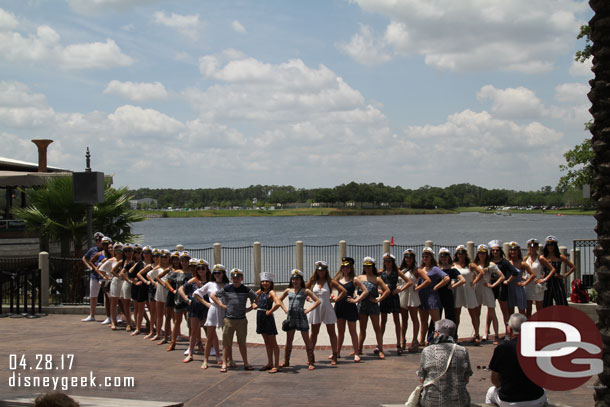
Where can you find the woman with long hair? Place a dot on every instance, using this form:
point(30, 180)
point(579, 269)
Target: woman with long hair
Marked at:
point(116, 283)
point(507, 269)
point(464, 294)
point(139, 290)
point(409, 297)
point(125, 296)
point(297, 315)
point(98, 259)
point(484, 289)
point(430, 302)
point(163, 333)
point(175, 279)
point(322, 286)
point(369, 306)
point(197, 311)
point(538, 263)
point(267, 303)
point(516, 282)
point(346, 308)
point(216, 315)
point(390, 273)
point(556, 291)
point(147, 275)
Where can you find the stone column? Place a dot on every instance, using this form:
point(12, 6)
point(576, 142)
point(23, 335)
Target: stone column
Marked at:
point(386, 247)
point(342, 249)
point(299, 254)
point(470, 250)
point(217, 253)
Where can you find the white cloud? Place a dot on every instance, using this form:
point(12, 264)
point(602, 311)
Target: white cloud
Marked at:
point(365, 48)
point(128, 119)
point(238, 27)
point(8, 21)
point(136, 91)
point(97, 6)
point(471, 36)
point(93, 55)
point(512, 103)
point(45, 46)
point(17, 94)
point(187, 25)
point(477, 146)
point(582, 68)
point(572, 92)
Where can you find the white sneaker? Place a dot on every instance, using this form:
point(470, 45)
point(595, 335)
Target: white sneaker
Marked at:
point(106, 321)
point(88, 319)
point(213, 352)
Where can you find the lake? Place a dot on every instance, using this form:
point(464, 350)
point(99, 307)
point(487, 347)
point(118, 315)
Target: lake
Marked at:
point(449, 229)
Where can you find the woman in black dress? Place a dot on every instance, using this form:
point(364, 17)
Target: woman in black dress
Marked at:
point(346, 308)
point(389, 273)
point(556, 291)
point(267, 303)
point(197, 311)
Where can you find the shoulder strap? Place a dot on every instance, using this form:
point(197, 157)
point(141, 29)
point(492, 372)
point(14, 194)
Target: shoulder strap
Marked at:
point(446, 367)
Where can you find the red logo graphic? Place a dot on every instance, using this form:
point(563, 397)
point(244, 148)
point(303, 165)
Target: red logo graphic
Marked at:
point(559, 348)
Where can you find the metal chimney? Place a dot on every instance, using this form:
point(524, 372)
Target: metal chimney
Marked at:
point(42, 145)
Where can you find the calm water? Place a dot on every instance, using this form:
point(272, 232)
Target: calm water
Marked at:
point(322, 230)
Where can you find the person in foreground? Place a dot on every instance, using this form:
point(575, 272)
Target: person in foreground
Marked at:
point(511, 387)
point(444, 369)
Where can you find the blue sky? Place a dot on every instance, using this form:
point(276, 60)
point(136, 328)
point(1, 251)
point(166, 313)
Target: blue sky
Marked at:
point(311, 94)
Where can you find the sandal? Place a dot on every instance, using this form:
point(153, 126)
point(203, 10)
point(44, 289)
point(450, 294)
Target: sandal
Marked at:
point(477, 341)
point(381, 355)
point(274, 370)
point(187, 359)
point(134, 333)
point(162, 341)
point(398, 350)
point(171, 346)
point(248, 367)
point(356, 358)
point(113, 327)
point(223, 370)
point(376, 350)
point(204, 365)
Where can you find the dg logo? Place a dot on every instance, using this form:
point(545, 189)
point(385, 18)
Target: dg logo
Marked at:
point(559, 348)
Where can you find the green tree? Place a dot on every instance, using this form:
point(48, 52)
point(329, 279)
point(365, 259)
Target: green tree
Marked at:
point(578, 166)
point(53, 215)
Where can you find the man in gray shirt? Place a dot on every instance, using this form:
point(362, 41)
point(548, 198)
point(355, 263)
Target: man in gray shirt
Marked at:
point(235, 296)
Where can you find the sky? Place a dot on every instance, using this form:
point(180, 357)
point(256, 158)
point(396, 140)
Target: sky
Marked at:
point(205, 94)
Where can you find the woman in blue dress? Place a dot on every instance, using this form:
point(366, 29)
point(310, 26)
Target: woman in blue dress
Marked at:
point(430, 301)
point(515, 283)
point(369, 306)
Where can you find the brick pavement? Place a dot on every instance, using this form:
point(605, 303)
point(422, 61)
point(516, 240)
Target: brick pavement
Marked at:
point(161, 375)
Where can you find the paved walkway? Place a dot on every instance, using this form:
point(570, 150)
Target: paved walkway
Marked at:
point(162, 376)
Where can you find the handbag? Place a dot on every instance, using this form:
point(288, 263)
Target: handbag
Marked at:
point(286, 325)
point(413, 400)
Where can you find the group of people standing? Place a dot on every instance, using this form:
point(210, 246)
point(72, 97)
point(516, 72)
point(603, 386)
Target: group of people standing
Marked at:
point(173, 287)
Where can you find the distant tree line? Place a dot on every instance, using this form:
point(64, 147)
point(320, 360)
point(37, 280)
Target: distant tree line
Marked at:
point(360, 195)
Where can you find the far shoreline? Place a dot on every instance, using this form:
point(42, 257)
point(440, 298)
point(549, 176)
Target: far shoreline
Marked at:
point(345, 212)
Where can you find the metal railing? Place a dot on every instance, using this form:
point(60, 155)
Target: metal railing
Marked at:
point(279, 260)
point(68, 280)
point(585, 260)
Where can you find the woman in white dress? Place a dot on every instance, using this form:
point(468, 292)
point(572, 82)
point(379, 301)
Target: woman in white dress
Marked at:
point(464, 295)
point(216, 315)
point(409, 297)
point(105, 269)
point(321, 284)
point(538, 263)
point(161, 295)
point(484, 288)
point(116, 284)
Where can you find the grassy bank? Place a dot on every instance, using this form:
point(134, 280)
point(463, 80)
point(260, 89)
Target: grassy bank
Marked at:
point(538, 211)
point(339, 212)
point(291, 212)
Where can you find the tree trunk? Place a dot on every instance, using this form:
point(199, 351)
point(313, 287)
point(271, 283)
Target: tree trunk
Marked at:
point(600, 109)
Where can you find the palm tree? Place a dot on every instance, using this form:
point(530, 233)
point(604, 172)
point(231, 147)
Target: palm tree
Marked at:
point(600, 129)
point(52, 214)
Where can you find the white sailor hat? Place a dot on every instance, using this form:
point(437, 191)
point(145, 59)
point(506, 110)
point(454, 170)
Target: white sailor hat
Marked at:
point(389, 256)
point(550, 239)
point(203, 262)
point(219, 268)
point(444, 250)
point(410, 251)
point(266, 276)
point(321, 265)
point(428, 250)
point(106, 239)
point(460, 248)
point(237, 272)
point(296, 273)
point(368, 261)
point(482, 248)
point(494, 243)
point(193, 261)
